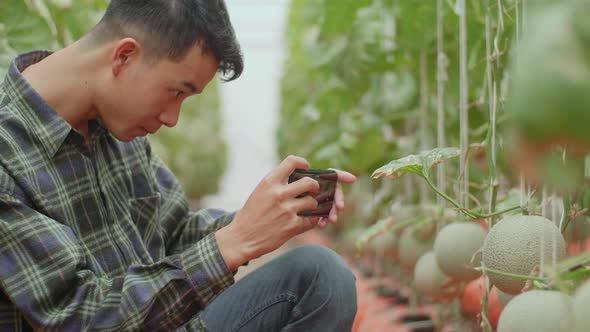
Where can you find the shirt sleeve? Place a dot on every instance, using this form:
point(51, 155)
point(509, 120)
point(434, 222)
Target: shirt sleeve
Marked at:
point(44, 272)
point(183, 228)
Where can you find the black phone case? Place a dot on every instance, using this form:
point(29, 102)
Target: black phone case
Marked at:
point(325, 198)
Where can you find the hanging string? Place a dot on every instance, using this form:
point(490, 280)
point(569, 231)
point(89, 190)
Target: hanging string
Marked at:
point(558, 212)
point(524, 190)
point(561, 204)
point(441, 78)
point(544, 202)
point(492, 148)
point(494, 112)
point(524, 16)
point(423, 124)
point(463, 104)
point(516, 3)
point(500, 16)
point(492, 103)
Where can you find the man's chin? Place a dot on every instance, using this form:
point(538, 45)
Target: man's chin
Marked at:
point(126, 137)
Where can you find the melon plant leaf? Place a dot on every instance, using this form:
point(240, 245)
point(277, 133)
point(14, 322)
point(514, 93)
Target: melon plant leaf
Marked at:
point(418, 164)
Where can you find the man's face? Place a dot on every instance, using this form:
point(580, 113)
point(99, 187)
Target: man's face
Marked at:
point(143, 96)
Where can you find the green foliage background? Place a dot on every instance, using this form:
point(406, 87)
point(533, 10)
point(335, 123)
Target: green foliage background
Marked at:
point(359, 89)
point(352, 87)
point(194, 149)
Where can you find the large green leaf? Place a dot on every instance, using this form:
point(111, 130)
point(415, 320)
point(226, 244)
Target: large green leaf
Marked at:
point(416, 164)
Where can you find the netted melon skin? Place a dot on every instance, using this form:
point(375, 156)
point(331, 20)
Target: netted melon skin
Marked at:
point(428, 277)
point(456, 247)
point(411, 249)
point(513, 245)
point(582, 304)
point(538, 311)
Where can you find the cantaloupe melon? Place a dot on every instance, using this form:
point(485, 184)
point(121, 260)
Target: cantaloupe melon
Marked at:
point(455, 248)
point(504, 298)
point(513, 245)
point(385, 246)
point(411, 248)
point(538, 311)
point(428, 278)
point(582, 303)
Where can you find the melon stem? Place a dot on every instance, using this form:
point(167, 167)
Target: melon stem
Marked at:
point(470, 213)
point(512, 275)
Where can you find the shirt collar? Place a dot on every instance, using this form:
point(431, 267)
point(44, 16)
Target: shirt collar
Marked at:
point(49, 127)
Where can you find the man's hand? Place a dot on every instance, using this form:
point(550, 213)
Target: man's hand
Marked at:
point(269, 217)
point(343, 177)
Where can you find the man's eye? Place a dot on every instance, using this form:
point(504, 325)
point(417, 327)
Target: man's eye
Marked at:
point(179, 94)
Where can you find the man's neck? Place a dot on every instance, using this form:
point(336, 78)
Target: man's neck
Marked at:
point(64, 81)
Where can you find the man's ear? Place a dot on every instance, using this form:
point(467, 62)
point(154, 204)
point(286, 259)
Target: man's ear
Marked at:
point(126, 50)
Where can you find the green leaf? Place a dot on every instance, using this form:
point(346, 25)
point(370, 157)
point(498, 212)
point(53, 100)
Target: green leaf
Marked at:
point(21, 30)
point(417, 164)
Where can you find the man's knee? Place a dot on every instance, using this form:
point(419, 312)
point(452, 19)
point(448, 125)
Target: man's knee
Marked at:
point(326, 260)
point(323, 270)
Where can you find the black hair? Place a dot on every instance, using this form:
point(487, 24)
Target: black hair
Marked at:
point(172, 27)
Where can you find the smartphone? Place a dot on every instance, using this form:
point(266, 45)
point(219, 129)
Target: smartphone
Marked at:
point(325, 198)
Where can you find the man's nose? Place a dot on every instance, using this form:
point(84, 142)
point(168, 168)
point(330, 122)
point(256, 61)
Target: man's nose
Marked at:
point(170, 116)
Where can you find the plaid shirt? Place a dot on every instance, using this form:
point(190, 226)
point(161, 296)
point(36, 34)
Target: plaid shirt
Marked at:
point(95, 236)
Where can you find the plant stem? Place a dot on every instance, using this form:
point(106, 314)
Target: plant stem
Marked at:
point(469, 213)
point(493, 200)
point(513, 275)
point(567, 209)
point(568, 264)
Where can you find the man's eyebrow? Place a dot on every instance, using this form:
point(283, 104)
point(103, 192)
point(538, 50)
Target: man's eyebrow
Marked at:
point(191, 87)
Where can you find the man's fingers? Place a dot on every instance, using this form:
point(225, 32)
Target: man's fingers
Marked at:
point(288, 166)
point(344, 176)
point(333, 217)
point(307, 223)
point(304, 203)
point(338, 205)
point(339, 197)
point(314, 220)
point(301, 186)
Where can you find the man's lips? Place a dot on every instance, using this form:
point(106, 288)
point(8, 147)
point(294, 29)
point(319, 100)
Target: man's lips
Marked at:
point(151, 131)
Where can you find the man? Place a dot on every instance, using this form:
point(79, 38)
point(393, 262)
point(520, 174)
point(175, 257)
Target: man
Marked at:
point(95, 230)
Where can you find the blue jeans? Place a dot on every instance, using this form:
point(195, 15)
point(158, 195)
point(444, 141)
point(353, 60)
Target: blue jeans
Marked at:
point(309, 289)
